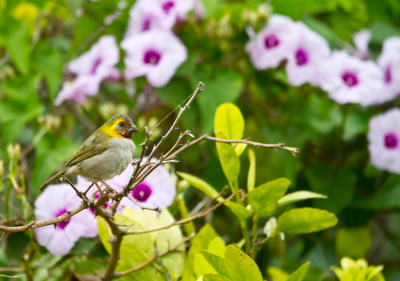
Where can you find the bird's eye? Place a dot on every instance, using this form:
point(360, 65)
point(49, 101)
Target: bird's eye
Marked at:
point(121, 124)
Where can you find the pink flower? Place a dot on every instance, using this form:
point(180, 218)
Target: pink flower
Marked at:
point(384, 140)
point(389, 61)
point(350, 80)
point(272, 44)
point(308, 51)
point(157, 189)
point(361, 40)
point(156, 14)
point(53, 202)
point(91, 68)
point(156, 54)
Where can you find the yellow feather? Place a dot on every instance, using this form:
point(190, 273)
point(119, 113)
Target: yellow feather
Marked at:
point(109, 130)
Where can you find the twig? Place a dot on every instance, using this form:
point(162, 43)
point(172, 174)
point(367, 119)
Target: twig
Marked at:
point(199, 215)
point(157, 209)
point(11, 269)
point(12, 276)
point(156, 256)
point(114, 257)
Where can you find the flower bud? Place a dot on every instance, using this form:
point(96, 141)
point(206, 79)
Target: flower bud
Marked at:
point(270, 227)
point(13, 150)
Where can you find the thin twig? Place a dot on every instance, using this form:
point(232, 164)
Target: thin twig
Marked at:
point(12, 276)
point(157, 209)
point(156, 256)
point(11, 269)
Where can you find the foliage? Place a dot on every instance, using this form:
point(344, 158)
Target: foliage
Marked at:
point(329, 204)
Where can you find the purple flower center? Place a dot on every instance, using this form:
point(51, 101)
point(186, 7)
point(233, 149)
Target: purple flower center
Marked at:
point(152, 57)
point(350, 79)
point(62, 224)
point(271, 41)
point(97, 197)
point(142, 192)
point(95, 66)
point(146, 25)
point(167, 6)
point(388, 74)
point(391, 140)
point(301, 57)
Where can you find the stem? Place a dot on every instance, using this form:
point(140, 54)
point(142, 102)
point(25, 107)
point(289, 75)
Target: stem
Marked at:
point(114, 257)
point(255, 227)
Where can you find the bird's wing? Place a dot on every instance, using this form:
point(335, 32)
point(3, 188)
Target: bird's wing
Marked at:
point(93, 146)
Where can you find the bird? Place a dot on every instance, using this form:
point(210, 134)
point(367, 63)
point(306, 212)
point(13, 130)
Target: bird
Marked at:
point(103, 155)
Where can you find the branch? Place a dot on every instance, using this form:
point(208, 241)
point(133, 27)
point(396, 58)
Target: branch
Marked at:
point(114, 257)
point(199, 215)
point(156, 256)
point(293, 150)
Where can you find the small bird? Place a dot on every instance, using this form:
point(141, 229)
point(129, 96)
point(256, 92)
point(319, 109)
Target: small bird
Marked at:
point(105, 154)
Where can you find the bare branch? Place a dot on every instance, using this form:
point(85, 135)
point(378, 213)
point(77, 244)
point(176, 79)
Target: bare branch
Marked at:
point(156, 256)
point(157, 209)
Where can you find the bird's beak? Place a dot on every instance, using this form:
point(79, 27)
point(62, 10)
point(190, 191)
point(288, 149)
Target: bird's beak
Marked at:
point(132, 129)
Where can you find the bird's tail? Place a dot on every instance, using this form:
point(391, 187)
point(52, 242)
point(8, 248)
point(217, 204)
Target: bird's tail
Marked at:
point(52, 179)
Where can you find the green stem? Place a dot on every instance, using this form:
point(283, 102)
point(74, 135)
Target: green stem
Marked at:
point(255, 227)
point(8, 191)
point(245, 235)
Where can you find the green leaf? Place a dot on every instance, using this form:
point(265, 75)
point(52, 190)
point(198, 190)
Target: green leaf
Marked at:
point(201, 185)
point(353, 242)
point(147, 273)
point(240, 211)
point(87, 266)
point(137, 248)
point(221, 87)
point(199, 242)
point(229, 160)
point(167, 238)
point(240, 266)
point(214, 277)
point(251, 178)
point(298, 196)
point(189, 227)
point(305, 220)
point(205, 262)
point(217, 247)
point(339, 187)
point(229, 120)
point(353, 125)
point(264, 199)
point(239, 148)
point(277, 274)
point(18, 46)
point(300, 273)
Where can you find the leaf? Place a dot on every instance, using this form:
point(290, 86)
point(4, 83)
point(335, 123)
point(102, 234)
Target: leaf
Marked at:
point(221, 86)
point(147, 273)
point(353, 242)
point(305, 220)
point(18, 46)
point(214, 277)
point(199, 242)
point(229, 160)
point(239, 148)
point(251, 178)
point(146, 218)
point(189, 226)
point(240, 211)
point(205, 262)
point(300, 273)
point(200, 185)
point(137, 248)
point(240, 266)
point(298, 196)
point(277, 274)
point(167, 238)
point(229, 120)
point(354, 124)
point(217, 247)
point(264, 199)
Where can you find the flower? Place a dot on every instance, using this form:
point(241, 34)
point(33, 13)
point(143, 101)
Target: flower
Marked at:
point(75, 90)
point(156, 190)
point(156, 14)
point(350, 80)
point(91, 68)
point(55, 201)
point(272, 44)
point(309, 50)
point(357, 270)
point(389, 61)
point(384, 140)
point(361, 40)
point(156, 54)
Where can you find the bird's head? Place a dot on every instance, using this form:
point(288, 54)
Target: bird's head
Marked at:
point(119, 126)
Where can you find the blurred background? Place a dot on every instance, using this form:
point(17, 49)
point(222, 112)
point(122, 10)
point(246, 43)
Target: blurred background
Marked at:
point(42, 122)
